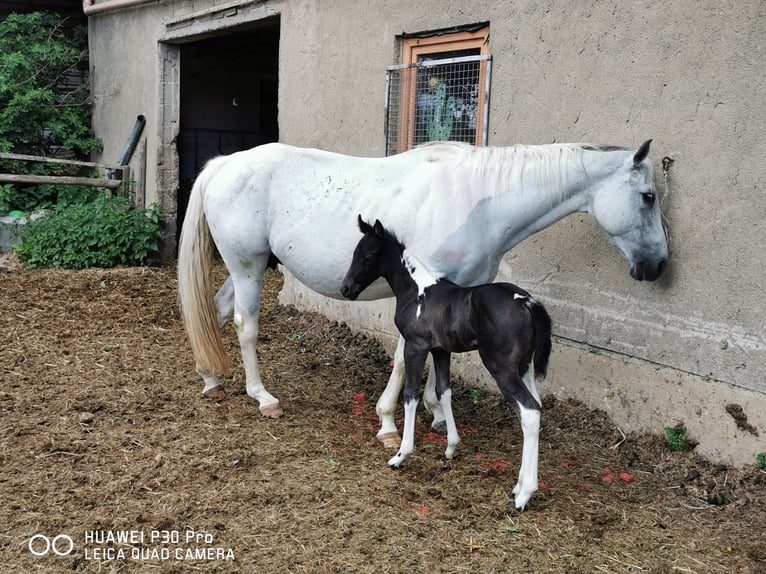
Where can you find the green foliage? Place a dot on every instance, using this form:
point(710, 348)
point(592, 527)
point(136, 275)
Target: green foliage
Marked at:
point(7, 197)
point(676, 438)
point(41, 108)
point(45, 104)
point(760, 461)
point(106, 232)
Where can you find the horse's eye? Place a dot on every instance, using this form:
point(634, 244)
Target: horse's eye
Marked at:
point(648, 198)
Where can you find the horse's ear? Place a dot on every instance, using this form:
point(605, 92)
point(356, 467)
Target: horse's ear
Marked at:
point(642, 152)
point(364, 227)
point(378, 229)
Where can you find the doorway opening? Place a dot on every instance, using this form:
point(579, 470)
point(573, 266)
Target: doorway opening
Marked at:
point(228, 98)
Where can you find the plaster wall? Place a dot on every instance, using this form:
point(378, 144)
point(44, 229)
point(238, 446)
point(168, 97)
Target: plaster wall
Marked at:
point(689, 75)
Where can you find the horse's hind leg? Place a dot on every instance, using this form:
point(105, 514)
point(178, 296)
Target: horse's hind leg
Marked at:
point(530, 427)
point(224, 302)
point(247, 304)
point(527, 483)
point(523, 396)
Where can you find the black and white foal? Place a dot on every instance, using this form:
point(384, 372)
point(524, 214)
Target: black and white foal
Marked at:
point(510, 329)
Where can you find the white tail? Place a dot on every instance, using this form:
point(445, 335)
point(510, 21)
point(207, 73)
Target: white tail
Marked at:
point(195, 291)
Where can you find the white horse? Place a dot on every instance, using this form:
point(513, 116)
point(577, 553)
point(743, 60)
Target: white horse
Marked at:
point(459, 207)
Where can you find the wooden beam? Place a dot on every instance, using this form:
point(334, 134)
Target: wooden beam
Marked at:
point(17, 156)
point(60, 180)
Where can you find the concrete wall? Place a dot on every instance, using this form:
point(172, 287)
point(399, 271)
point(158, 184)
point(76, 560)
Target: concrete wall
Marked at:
point(688, 74)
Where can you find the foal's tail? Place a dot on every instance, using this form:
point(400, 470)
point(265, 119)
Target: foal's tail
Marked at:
point(195, 290)
point(542, 323)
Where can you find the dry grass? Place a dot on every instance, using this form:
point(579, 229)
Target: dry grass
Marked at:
point(104, 428)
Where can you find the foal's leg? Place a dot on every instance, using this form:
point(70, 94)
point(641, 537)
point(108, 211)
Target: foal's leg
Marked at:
point(530, 426)
point(433, 404)
point(387, 403)
point(523, 396)
point(444, 394)
point(247, 303)
point(415, 360)
point(386, 406)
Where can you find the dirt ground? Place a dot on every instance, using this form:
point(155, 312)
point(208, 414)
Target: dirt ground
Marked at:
point(112, 461)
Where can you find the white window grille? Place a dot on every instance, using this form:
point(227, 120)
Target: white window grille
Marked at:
point(437, 99)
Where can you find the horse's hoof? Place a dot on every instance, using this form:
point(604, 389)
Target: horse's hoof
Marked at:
point(217, 393)
point(390, 440)
point(272, 411)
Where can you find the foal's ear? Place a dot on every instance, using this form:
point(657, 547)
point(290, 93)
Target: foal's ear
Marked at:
point(378, 229)
point(642, 152)
point(364, 227)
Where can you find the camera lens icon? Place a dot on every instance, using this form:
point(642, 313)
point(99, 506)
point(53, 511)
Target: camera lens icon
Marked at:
point(41, 545)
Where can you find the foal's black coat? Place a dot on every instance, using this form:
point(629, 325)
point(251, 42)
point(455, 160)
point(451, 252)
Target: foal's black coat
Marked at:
point(503, 321)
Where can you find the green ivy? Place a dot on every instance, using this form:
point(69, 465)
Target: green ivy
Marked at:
point(107, 232)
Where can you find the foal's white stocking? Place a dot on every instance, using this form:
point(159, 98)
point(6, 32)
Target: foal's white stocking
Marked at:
point(530, 427)
point(408, 436)
point(386, 405)
point(527, 484)
point(432, 403)
point(453, 438)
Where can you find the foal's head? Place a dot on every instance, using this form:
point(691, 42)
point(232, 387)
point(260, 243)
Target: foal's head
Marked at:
point(374, 253)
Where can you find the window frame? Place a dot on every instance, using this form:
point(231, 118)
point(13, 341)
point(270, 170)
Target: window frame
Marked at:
point(415, 47)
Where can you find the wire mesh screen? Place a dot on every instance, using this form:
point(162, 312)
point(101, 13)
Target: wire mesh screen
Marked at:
point(437, 100)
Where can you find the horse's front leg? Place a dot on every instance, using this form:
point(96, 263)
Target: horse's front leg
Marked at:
point(444, 396)
point(414, 359)
point(386, 406)
point(247, 304)
point(433, 404)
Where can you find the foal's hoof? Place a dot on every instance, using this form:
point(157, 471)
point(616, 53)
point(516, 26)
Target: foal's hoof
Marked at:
point(439, 427)
point(390, 440)
point(216, 393)
point(272, 411)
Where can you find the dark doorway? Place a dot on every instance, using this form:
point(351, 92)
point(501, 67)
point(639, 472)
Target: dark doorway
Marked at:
point(229, 86)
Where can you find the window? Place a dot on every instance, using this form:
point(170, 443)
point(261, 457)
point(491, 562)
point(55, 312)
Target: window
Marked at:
point(440, 91)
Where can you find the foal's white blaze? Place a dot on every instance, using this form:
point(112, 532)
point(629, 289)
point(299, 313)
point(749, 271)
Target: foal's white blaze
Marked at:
point(408, 434)
point(420, 274)
point(527, 484)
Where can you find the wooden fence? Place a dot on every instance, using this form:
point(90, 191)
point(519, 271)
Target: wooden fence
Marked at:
point(110, 182)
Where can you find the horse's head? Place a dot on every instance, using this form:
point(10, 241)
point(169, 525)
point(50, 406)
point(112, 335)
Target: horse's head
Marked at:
point(367, 264)
point(626, 206)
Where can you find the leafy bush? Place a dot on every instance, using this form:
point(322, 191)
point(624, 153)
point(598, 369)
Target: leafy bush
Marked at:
point(760, 461)
point(107, 232)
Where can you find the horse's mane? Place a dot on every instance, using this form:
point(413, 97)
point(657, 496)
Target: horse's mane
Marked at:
point(552, 165)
